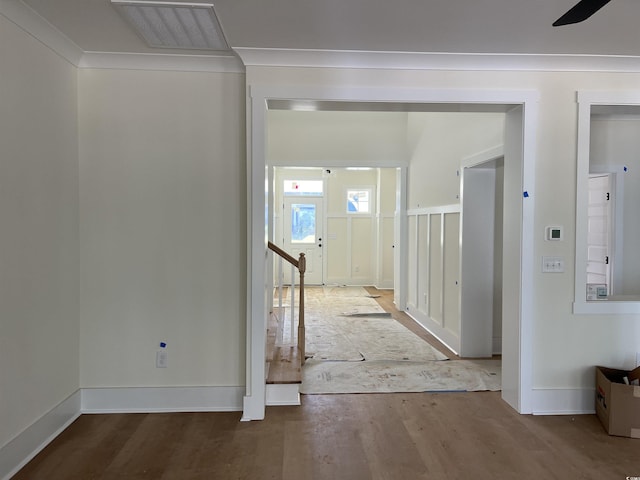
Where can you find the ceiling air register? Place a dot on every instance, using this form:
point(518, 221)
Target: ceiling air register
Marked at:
point(192, 26)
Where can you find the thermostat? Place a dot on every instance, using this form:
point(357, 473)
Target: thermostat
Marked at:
point(554, 233)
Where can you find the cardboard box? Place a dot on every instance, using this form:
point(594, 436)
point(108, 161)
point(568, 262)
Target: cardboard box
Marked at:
point(618, 404)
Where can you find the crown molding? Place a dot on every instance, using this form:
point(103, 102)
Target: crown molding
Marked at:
point(437, 61)
point(28, 20)
point(36, 26)
point(163, 62)
point(33, 24)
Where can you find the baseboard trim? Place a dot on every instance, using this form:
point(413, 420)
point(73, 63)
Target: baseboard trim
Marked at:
point(577, 401)
point(446, 337)
point(19, 451)
point(497, 345)
point(283, 394)
point(162, 399)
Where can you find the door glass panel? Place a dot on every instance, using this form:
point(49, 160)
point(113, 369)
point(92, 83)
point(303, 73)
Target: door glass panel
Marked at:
point(303, 223)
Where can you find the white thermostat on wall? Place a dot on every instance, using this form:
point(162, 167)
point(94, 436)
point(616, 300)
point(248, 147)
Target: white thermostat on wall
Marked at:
point(554, 233)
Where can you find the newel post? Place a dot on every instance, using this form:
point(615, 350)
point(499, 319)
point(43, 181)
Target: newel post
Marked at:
point(302, 267)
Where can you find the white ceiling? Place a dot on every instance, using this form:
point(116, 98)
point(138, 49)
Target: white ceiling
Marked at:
point(452, 26)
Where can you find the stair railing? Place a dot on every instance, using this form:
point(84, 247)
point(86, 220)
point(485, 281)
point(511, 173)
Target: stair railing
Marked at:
point(301, 265)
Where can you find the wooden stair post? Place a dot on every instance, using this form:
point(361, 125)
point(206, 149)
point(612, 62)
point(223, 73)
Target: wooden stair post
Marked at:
point(302, 267)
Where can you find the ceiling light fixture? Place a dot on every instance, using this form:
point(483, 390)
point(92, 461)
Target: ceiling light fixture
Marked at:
point(174, 24)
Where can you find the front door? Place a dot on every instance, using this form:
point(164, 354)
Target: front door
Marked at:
point(303, 234)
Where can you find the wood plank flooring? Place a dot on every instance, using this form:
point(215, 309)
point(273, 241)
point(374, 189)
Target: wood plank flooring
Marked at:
point(342, 437)
point(385, 300)
point(283, 363)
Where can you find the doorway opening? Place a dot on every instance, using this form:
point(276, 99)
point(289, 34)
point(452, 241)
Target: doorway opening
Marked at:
point(482, 256)
point(518, 217)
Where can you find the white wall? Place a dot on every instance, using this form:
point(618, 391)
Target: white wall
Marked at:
point(439, 142)
point(162, 228)
point(347, 139)
point(358, 249)
point(326, 139)
point(385, 227)
point(39, 231)
point(566, 346)
point(351, 239)
point(497, 260)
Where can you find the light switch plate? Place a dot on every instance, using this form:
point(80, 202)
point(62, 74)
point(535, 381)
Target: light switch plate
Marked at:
point(553, 264)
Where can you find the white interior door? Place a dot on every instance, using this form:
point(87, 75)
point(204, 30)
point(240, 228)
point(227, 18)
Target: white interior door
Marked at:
point(598, 230)
point(303, 220)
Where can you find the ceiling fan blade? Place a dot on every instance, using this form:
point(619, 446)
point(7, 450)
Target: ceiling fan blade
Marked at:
point(580, 12)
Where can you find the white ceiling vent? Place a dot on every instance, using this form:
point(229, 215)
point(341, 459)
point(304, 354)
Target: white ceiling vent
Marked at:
point(174, 24)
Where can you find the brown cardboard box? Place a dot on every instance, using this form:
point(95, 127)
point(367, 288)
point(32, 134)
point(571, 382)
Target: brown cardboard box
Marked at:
point(617, 404)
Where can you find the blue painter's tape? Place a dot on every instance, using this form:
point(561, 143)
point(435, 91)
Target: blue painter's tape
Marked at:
point(625, 168)
point(525, 194)
point(163, 345)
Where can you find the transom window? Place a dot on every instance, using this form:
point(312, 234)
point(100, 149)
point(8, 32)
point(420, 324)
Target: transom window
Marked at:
point(303, 187)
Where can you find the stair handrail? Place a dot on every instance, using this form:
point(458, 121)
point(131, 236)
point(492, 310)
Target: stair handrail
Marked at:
point(301, 265)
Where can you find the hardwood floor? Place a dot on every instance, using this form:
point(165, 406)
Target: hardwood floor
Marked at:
point(385, 300)
point(361, 437)
point(343, 437)
point(283, 363)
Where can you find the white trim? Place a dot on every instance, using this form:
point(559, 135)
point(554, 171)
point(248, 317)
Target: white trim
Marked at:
point(262, 93)
point(274, 57)
point(482, 157)
point(606, 97)
point(577, 401)
point(24, 447)
point(401, 255)
point(435, 328)
point(32, 23)
point(497, 345)
point(258, 95)
point(605, 307)
point(283, 394)
point(257, 255)
point(440, 209)
point(586, 99)
point(162, 62)
point(527, 268)
point(39, 28)
point(162, 399)
point(384, 285)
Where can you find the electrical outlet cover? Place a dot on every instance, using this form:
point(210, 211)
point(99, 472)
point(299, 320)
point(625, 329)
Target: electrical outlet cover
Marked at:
point(161, 359)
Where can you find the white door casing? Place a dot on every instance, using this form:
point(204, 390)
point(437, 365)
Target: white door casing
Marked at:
point(520, 144)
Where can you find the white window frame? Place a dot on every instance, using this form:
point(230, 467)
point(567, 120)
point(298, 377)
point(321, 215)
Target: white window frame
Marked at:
point(586, 100)
point(372, 199)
